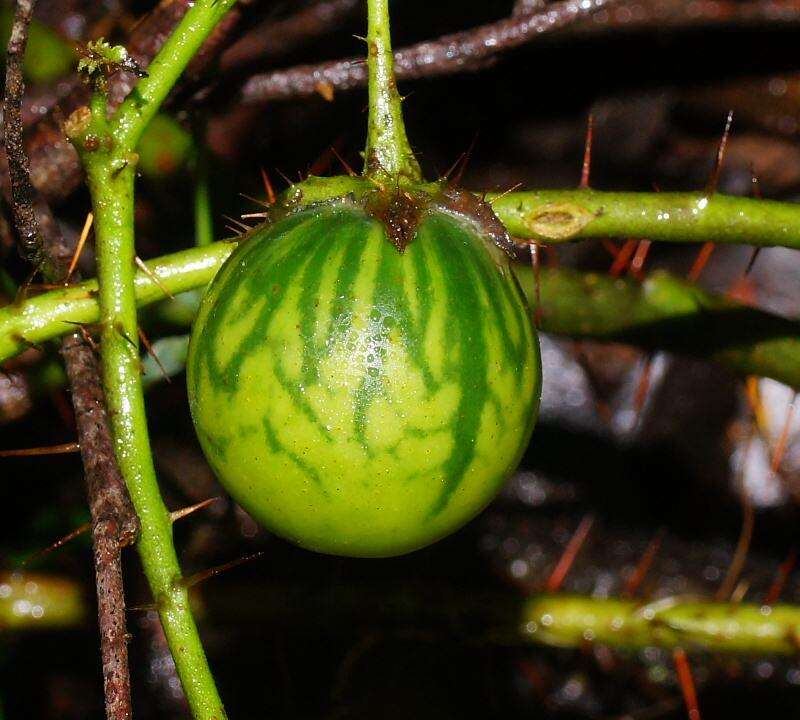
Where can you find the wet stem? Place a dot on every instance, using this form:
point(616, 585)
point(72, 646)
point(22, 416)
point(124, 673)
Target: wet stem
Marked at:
point(106, 147)
point(388, 155)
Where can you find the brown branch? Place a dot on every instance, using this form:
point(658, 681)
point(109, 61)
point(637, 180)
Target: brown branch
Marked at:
point(273, 38)
point(472, 49)
point(30, 241)
point(680, 14)
point(114, 522)
point(525, 7)
point(443, 56)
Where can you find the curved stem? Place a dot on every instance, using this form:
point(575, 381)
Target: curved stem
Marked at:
point(388, 155)
point(661, 312)
point(556, 216)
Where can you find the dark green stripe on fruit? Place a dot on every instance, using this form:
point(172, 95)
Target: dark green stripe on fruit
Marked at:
point(472, 366)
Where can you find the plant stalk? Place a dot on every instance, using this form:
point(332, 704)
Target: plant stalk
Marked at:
point(388, 156)
point(558, 216)
point(107, 150)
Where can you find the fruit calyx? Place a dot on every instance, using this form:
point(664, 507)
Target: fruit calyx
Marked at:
point(400, 208)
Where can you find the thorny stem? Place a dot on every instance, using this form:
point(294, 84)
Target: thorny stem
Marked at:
point(106, 148)
point(569, 620)
point(664, 312)
point(661, 312)
point(388, 155)
point(556, 216)
point(114, 522)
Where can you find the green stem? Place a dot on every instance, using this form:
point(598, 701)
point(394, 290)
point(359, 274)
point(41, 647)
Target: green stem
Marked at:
point(571, 621)
point(56, 312)
point(112, 199)
point(388, 156)
point(661, 312)
point(107, 150)
point(556, 216)
point(664, 312)
point(180, 47)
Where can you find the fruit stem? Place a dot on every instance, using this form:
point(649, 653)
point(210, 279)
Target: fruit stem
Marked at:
point(388, 155)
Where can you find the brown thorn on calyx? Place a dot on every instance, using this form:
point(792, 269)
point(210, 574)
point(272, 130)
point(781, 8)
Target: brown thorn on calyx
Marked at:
point(243, 226)
point(185, 512)
point(87, 226)
point(461, 163)
point(347, 168)
point(62, 449)
point(234, 230)
point(149, 348)
point(567, 559)
point(268, 189)
point(505, 192)
point(260, 203)
point(285, 177)
point(203, 575)
point(586, 168)
point(323, 163)
point(39, 554)
point(255, 215)
point(147, 271)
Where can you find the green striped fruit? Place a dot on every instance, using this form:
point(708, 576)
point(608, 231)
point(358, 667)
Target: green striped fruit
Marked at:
point(356, 399)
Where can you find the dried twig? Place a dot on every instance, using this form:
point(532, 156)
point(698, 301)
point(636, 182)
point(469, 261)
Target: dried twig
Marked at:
point(114, 523)
point(525, 7)
point(680, 14)
point(474, 48)
point(443, 56)
point(273, 38)
point(22, 193)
